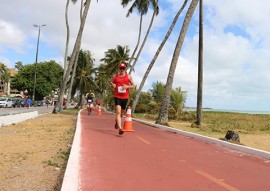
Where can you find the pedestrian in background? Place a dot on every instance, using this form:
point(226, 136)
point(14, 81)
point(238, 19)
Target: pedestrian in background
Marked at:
point(28, 102)
point(47, 102)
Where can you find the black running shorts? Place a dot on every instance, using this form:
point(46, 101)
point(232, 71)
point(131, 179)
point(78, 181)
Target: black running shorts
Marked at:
point(121, 102)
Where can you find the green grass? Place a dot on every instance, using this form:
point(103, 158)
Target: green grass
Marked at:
point(70, 111)
point(240, 122)
point(220, 122)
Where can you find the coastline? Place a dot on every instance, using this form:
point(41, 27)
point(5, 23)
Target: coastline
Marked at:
point(230, 111)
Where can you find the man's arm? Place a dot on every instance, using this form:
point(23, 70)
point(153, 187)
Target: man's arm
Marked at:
point(131, 83)
point(112, 82)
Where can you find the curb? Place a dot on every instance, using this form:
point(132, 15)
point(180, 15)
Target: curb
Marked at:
point(71, 177)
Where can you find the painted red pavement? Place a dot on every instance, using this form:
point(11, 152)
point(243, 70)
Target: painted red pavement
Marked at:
point(151, 159)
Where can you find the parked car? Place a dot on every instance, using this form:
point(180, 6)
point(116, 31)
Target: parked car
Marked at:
point(18, 103)
point(5, 102)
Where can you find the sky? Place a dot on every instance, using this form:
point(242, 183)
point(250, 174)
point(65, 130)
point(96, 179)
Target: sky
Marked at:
point(236, 44)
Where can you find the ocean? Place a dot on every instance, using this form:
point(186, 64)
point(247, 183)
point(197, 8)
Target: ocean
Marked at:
point(231, 111)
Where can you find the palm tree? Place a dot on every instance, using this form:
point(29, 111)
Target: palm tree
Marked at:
point(177, 100)
point(124, 3)
point(18, 65)
point(157, 91)
point(102, 80)
point(156, 55)
point(155, 13)
point(84, 78)
point(163, 113)
point(142, 6)
point(113, 57)
point(4, 76)
point(67, 38)
point(76, 48)
point(76, 61)
point(200, 68)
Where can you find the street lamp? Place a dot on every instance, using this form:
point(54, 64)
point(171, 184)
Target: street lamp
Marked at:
point(35, 75)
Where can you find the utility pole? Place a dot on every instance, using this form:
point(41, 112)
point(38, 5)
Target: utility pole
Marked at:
point(35, 75)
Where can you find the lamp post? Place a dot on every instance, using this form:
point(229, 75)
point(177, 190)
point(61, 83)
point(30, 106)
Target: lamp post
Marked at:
point(35, 75)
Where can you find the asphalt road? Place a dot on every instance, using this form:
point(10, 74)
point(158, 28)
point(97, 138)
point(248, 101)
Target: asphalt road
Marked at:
point(154, 159)
point(11, 111)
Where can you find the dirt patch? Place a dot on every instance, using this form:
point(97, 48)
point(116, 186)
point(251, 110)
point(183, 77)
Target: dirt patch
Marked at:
point(33, 154)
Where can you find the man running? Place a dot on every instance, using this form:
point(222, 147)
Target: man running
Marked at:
point(121, 82)
point(90, 100)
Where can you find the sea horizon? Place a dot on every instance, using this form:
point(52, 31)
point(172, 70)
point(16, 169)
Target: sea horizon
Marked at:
point(227, 110)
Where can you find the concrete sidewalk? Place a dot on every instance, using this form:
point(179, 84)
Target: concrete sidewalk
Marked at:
point(157, 159)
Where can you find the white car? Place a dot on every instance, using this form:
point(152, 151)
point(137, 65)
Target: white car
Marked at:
point(5, 102)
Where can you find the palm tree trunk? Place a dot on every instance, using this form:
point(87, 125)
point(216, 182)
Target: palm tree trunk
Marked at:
point(75, 66)
point(72, 81)
point(200, 68)
point(163, 113)
point(59, 105)
point(142, 45)
point(67, 39)
point(156, 55)
point(138, 41)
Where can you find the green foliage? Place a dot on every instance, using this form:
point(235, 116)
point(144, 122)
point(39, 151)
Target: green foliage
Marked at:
point(172, 113)
point(153, 107)
point(113, 57)
point(144, 100)
point(19, 65)
point(177, 100)
point(186, 116)
point(4, 75)
point(84, 77)
point(157, 91)
point(49, 75)
point(142, 108)
point(244, 123)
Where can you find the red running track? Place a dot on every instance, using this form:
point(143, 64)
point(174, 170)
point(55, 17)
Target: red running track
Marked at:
point(151, 159)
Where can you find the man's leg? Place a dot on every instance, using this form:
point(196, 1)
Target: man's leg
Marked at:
point(88, 109)
point(118, 116)
point(122, 112)
point(118, 119)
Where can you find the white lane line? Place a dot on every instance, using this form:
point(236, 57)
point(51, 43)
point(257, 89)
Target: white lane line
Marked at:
point(143, 140)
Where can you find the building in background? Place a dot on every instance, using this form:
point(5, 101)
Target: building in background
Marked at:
point(5, 89)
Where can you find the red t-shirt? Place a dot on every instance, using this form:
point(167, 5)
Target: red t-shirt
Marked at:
point(120, 81)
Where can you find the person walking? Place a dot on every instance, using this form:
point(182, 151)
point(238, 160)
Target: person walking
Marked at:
point(89, 101)
point(28, 102)
point(121, 82)
point(47, 102)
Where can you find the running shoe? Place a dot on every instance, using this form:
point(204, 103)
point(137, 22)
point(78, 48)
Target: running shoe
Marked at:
point(121, 132)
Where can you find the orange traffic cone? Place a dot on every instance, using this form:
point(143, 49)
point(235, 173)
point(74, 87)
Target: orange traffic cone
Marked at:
point(128, 121)
point(99, 110)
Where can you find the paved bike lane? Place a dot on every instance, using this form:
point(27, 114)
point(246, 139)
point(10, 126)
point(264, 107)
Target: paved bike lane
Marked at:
point(154, 159)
